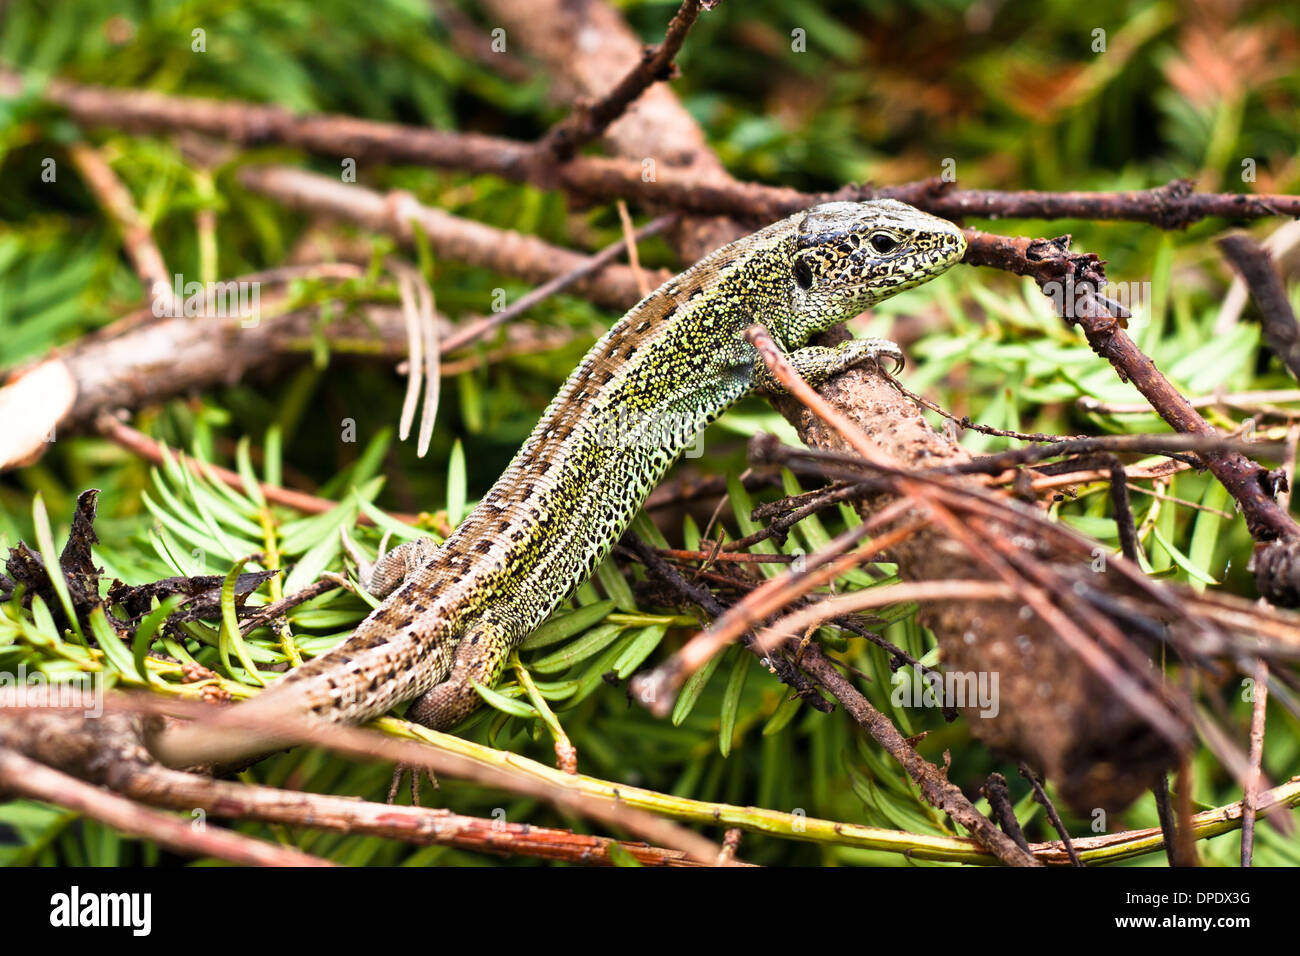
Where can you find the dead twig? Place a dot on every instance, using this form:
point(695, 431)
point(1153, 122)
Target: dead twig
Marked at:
point(1250, 798)
point(24, 777)
point(411, 824)
point(589, 120)
point(939, 792)
point(1040, 795)
point(1075, 280)
point(1172, 206)
point(1277, 318)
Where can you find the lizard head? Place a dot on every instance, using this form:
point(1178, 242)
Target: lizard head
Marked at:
point(850, 255)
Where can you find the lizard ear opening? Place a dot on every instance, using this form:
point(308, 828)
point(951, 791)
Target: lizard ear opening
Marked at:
point(803, 273)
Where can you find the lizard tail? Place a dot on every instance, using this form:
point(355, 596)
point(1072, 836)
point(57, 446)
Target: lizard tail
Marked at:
point(365, 676)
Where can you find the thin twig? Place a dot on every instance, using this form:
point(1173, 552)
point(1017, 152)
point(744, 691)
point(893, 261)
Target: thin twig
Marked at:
point(589, 120)
point(410, 824)
point(1278, 321)
point(581, 271)
point(1250, 798)
point(1040, 795)
point(137, 239)
point(1077, 279)
point(22, 776)
point(939, 792)
point(999, 798)
point(1172, 206)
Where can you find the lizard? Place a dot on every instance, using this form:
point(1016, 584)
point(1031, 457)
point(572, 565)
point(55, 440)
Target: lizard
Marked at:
point(452, 613)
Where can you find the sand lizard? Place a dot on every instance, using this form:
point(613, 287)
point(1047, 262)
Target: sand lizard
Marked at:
point(673, 364)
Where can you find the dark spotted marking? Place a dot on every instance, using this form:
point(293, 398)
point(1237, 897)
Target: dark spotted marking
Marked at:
point(529, 543)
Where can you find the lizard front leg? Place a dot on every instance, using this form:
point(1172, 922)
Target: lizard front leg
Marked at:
point(817, 363)
point(391, 569)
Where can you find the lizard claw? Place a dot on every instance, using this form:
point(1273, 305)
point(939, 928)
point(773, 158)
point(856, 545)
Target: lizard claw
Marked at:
point(882, 350)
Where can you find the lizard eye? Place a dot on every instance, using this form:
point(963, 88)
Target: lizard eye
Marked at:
point(883, 243)
point(803, 273)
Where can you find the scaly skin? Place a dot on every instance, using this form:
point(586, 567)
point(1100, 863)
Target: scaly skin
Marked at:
point(673, 364)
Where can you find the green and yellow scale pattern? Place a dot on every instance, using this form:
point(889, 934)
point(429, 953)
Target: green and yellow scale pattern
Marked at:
point(673, 364)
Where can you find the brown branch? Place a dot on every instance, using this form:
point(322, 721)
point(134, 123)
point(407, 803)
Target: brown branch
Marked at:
point(104, 748)
point(939, 792)
point(398, 214)
point(1175, 205)
point(586, 48)
point(594, 264)
point(1277, 318)
point(1040, 795)
point(589, 120)
point(1204, 824)
point(138, 241)
point(1250, 799)
point(705, 599)
point(1252, 401)
point(656, 687)
point(1090, 742)
point(1089, 637)
point(264, 616)
point(24, 777)
point(250, 124)
point(828, 609)
point(417, 825)
point(144, 358)
point(88, 758)
point(999, 798)
point(1080, 277)
point(936, 788)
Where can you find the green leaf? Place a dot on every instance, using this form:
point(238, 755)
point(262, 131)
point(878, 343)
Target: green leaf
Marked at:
point(383, 522)
point(639, 649)
point(694, 686)
point(731, 698)
point(244, 465)
point(229, 637)
point(594, 676)
point(114, 650)
point(575, 652)
point(561, 627)
point(1180, 559)
point(784, 713)
point(145, 631)
point(456, 484)
point(507, 705)
point(272, 457)
point(45, 541)
point(615, 585)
